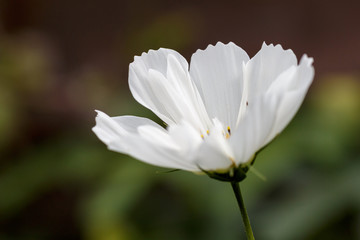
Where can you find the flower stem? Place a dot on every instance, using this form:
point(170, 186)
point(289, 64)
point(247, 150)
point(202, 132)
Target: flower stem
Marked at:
point(244, 215)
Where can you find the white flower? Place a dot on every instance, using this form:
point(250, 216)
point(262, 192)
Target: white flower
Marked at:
point(219, 111)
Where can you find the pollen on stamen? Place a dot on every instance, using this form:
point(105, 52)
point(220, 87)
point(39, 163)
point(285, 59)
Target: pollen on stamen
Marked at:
point(207, 132)
point(227, 135)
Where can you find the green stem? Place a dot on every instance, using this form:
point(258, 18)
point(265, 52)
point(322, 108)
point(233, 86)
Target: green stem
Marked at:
point(244, 215)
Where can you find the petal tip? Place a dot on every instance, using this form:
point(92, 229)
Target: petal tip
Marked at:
point(218, 44)
point(276, 46)
point(149, 52)
point(100, 114)
point(307, 60)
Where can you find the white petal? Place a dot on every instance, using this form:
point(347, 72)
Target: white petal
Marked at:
point(131, 123)
point(274, 72)
point(215, 153)
point(263, 69)
point(107, 129)
point(187, 138)
point(254, 129)
point(139, 82)
point(218, 74)
point(158, 154)
point(157, 60)
point(187, 95)
point(158, 136)
point(210, 158)
point(167, 89)
point(177, 96)
point(142, 139)
point(291, 87)
point(165, 95)
point(111, 129)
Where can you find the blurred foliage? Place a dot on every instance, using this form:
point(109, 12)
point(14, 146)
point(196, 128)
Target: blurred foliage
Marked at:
point(59, 182)
point(174, 31)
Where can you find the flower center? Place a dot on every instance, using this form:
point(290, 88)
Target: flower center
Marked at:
point(226, 134)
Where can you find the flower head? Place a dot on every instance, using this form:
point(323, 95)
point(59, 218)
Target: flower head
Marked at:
point(219, 111)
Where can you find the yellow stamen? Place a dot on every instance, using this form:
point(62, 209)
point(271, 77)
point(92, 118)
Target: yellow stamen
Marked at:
point(227, 135)
point(202, 135)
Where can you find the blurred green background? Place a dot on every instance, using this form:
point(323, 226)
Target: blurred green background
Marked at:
point(60, 60)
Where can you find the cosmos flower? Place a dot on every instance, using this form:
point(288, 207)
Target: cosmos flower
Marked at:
point(219, 111)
